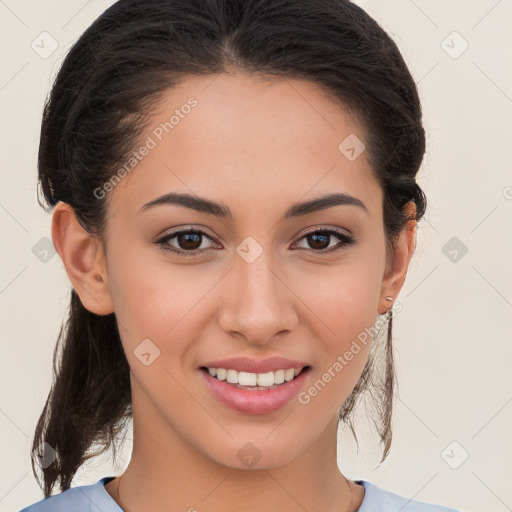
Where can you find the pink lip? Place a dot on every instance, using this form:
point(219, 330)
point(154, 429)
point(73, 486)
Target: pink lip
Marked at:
point(254, 401)
point(245, 364)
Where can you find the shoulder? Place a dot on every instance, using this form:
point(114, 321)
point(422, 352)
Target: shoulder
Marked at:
point(83, 498)
point(377, 499)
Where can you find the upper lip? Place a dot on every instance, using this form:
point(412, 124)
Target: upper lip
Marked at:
point(246, 364)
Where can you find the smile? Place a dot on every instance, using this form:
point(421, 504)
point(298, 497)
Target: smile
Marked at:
point(255, 381)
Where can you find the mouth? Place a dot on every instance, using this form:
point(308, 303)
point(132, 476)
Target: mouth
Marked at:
point(255, 381)
point(254, 393)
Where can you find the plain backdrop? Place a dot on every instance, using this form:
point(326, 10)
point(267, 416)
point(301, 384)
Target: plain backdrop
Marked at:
point(453, 339)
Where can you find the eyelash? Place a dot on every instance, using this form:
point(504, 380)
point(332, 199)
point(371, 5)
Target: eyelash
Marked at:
point(345, 241)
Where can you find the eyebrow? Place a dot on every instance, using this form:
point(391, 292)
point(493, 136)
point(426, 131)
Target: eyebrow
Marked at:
point(218, 210)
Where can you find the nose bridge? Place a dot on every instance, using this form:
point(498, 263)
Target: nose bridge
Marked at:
point(259, 278)
point(259, 306)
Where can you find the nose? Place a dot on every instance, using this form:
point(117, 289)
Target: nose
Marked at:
point(260, 304)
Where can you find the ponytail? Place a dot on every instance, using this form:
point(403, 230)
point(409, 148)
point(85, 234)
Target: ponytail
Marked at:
point(90, 396)
point(380, 384)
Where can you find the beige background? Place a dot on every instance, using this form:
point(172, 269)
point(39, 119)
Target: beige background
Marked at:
point(454, 336)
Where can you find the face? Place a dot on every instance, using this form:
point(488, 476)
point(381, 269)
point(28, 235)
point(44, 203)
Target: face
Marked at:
point(254, 283)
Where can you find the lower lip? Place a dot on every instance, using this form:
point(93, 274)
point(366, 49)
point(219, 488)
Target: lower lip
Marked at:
point(254, 401)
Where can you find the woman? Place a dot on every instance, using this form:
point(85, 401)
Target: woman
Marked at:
point(234, 201)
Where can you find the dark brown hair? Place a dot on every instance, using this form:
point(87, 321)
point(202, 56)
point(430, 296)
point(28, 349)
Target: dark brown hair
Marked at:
point(100, 102)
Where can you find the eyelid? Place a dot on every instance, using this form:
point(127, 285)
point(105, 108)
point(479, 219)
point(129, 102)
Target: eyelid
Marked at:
point(183, 229)
point(326, 228)
point(201, 229)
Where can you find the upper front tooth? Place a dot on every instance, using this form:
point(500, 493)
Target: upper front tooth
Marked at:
point(266, 379)
point(247, 379)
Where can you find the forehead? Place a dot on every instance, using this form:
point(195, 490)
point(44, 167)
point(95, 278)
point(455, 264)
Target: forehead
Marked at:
point(250, 141)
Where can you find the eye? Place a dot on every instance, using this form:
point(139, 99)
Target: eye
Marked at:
point(320, 237)
point(189, 242)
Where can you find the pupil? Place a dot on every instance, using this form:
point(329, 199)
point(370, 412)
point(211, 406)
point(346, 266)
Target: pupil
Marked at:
point(190, 238)
point(316, 237)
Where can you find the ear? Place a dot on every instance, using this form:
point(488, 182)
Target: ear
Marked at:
point(405, 246)
point(83, 258)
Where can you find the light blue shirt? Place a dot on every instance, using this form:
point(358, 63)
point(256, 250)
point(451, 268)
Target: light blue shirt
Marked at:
point(95, 498)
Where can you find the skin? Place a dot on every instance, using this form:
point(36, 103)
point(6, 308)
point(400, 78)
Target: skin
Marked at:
point(257, 146)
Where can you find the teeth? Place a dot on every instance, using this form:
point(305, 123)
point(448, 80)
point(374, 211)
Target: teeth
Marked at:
point(279, 376)
point(263, 380)
point(245, 379)
point(232, 377)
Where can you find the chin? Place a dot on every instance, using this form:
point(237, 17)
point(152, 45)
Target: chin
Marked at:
point(256, 454)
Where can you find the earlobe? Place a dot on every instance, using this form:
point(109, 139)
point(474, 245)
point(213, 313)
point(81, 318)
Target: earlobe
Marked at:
point(83, 258)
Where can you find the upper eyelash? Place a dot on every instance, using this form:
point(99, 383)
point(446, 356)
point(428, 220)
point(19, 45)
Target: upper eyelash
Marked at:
point(346, 239)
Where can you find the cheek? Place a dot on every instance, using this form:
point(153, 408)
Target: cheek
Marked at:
point(161, 302)
point(343, 298)
point(148, 294)
point(345, 302)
